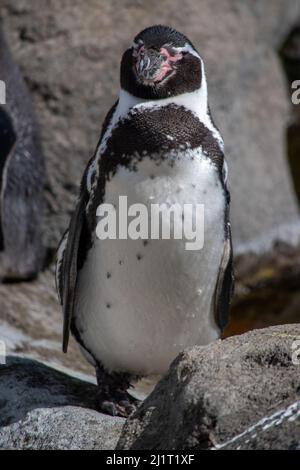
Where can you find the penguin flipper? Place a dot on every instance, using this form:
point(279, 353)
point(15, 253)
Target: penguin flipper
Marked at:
point(68, 250)
point(69, 268)
point(225, 283)
point(59, 266)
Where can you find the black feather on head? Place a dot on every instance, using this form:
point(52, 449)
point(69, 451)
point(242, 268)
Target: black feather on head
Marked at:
point(161, 63)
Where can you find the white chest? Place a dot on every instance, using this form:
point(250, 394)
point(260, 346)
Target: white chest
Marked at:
point(140, 303)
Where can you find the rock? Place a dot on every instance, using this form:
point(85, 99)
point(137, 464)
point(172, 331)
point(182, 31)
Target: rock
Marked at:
point(280, 431)
point(67, 428)
point(69, 53)
point(31, 324)
point(22, 176)
point(42, 408)
point(216, 392)
point(266, 290)
point(290, 54)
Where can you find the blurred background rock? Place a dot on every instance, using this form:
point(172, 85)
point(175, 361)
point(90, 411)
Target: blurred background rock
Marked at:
point(22, 176)
point(69, 53)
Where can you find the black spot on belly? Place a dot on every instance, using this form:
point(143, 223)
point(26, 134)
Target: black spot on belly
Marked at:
point(139, 256)
point(108, 305)
point(108, 275)
point(146, 242)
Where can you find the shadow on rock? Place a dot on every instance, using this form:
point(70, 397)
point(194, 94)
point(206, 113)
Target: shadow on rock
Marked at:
point(43, 408)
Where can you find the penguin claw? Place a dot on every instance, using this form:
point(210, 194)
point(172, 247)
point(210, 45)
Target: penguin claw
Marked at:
point(129, 407)
point(108, 407)
point(123, 408)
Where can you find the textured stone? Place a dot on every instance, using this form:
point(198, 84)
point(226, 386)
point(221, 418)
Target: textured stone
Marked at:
point(31, 324)
point(216, 392)
point(42, 408)
point(280, 431)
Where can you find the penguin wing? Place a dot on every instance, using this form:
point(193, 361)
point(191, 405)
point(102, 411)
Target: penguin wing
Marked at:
point(225, 282)
point(59, 266)
point(68, 253)
point(67, 267)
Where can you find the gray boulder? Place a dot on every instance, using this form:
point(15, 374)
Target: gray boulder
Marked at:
point(212, 394)
point(42, 408)
point(70, 53)
point(280, 431)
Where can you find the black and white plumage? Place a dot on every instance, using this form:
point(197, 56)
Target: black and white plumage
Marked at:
point(22, 177)
point(133, 305)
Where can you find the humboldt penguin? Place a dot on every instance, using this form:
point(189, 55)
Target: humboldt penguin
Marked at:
point(133, 303)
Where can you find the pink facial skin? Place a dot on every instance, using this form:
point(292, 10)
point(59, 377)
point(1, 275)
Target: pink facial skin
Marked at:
point(169, 57)
point(166, 67)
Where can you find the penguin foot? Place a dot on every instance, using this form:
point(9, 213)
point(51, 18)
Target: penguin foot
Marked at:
point(113, 398)
point(119, 403)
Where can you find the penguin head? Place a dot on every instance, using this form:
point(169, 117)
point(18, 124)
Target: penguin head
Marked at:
point(161, 63)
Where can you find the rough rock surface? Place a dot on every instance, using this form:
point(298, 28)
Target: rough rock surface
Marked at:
point(31, 324)
point(69, 52)
point(216, 392)
point(280, 431)
point(42, 408)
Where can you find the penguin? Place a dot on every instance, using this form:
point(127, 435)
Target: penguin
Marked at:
point(134, 304)
point(22, 177)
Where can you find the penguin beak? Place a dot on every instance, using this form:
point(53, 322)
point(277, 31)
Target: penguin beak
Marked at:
point(148, 64)
point(152, 66)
